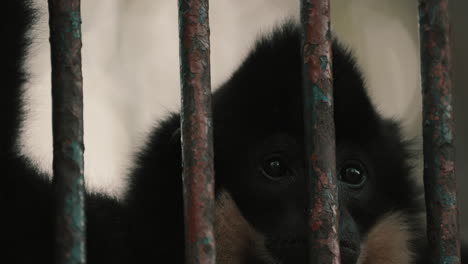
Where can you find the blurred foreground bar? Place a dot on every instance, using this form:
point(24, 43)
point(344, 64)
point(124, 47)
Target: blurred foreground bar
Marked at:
point(67, 121)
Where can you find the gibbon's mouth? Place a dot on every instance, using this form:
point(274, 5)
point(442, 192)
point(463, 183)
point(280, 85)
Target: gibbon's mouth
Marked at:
point(349, 246)
point(293, 241)
point(286, 242)
point(296, 246)
point(349, 252)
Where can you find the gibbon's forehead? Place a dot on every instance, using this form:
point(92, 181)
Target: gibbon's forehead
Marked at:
point(266, 90)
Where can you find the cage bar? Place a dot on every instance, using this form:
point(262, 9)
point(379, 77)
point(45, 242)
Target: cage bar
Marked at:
point(197, 131)
point(67, 125)
point(438, 127)
point(319, 129)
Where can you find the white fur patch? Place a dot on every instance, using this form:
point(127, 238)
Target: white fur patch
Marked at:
point(236, 239)
point(388, 242)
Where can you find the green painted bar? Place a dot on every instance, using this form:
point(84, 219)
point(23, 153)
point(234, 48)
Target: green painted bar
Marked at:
point(67, 122)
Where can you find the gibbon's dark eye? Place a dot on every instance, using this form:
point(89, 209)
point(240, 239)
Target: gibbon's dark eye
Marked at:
point(275, 168)
point(353, 174)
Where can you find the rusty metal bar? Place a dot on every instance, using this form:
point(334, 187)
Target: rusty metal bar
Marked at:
point(197, 133)
point(67, 122)
point(319, 132)
point(438, 127)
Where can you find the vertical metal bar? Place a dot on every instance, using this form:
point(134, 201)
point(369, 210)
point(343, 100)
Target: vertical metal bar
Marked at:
point(319, 131)
point(197, 133)
point(439, 173)
point(67, 122)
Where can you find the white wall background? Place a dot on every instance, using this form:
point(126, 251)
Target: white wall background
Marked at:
point(131, 77)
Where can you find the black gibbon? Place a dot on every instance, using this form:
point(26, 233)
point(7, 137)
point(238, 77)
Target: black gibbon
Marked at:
point(261, 214)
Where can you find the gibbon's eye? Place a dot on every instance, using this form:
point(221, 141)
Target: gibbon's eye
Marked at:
point(275, 168)
point(353, 174)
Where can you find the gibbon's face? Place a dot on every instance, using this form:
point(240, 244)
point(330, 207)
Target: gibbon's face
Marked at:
point(258, 119)
point(271, 194)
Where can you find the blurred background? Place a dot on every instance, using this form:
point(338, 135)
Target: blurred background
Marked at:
point(131, 72)
point(460, 80)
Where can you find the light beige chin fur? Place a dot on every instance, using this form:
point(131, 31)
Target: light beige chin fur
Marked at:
point(388, 242)
point(235, 238)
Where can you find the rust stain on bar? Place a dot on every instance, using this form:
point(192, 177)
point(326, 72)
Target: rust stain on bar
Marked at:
point(67, 121)
point(197, 133)
point(319, 132)
point(438, 124)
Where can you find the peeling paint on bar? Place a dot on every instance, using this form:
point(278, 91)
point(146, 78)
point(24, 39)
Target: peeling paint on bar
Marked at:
point(320, 132)
point(438, 124)
point(197, 133)
point(67, 118)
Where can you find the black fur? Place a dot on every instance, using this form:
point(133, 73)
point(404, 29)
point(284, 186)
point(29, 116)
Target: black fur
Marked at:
point(262, 99)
